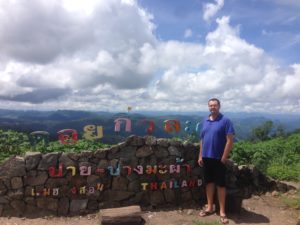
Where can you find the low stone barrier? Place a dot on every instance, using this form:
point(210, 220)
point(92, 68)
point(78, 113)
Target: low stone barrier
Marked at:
point(143, 171)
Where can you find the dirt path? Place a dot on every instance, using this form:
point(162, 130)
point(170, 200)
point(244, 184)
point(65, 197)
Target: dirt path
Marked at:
point(263, 209)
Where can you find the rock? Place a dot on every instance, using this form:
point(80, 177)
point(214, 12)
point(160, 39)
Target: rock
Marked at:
point(18, 205)
point(93, 180)
point(1, 209)
point(92, 205)
point(30, 200)
point(16, 182)
point(56, 182)
point(4, 199)
point(78, 205)
point(175, 143)
point(120, 195)
point(66, 161)
point(186, 196)
point(74, 156)
point(3, 188)
point(103, 164)
point(190, 212)
point(134, 186)
point(275, 193)
point(135, 140)
point(170, 196)
point(119, 183)
point(16, 194)
point(63, 206)
point(13, 167)
point(124, 215)
point(84, 156)
point(281, 187)
point(127, 152)
point(174, 151)
point(32, 160)
point(47, 203)
point(48, 160)
point(38, 179)
point(191, 154)
point(163, 142)
point(161, 152)
point(144, 152)
point(101, 153)
point(156, 198)
point(150, 140)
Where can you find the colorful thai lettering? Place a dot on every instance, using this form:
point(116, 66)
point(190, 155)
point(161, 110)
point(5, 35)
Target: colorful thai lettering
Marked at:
point(162, 169)
point(129, 169)
point(188, 127)
point(151, 126)
point(39, 137)
point(67, 136)
point(118, 123)
point(151, 169)
point(85, 170)
point(172, 184)
point(114, 171)
point(92, 132)
point(172, 126)
point(139, 169)
point(54, 173)
point(73, 170)
point(174, 169)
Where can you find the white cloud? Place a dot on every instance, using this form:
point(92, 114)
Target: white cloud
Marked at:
point(106, 57)
point(188, 33)
point(210, 9)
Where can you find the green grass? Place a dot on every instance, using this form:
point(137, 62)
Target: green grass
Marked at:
point(292, 201)
point(206, 223)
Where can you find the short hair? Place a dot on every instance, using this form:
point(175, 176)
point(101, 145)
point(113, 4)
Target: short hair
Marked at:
point(215, 100)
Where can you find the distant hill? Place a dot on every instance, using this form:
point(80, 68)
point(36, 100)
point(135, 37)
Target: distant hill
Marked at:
point(53, 121)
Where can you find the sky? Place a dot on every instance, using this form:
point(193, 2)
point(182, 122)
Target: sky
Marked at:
point(152, 55)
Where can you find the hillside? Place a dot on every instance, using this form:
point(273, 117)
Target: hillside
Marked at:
point(53, 121)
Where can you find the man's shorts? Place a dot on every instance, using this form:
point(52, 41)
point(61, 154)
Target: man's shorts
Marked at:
point(214, 171)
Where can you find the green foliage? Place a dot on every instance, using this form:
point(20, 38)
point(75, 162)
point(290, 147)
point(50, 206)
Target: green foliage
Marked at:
point(278, 157)
point(206, 222)
point(262, 132)
point(79, 146)
point(15, 143)
point(292, 201)
point(193, 137)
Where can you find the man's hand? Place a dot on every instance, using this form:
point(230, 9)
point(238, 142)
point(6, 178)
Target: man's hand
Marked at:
point(223, 160)
point(200, 161)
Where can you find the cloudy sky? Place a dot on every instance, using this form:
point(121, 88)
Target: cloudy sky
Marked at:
point(173, 55)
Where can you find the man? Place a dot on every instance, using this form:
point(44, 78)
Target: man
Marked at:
point(215, 146)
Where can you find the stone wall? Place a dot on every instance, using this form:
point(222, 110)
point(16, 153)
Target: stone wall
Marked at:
point(146, 171)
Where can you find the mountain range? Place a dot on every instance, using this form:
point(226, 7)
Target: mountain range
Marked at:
point(54, 121)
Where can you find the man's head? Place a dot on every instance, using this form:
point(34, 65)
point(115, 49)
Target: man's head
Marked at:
point(214, 106)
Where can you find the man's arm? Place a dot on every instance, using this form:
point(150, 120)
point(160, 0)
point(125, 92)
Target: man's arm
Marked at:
point(200, 162)
point(228, 147)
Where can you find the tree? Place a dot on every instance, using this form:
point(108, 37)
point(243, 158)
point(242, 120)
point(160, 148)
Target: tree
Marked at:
point(262, 132)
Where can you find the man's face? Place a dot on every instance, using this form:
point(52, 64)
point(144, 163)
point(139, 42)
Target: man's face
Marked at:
point(213, 107)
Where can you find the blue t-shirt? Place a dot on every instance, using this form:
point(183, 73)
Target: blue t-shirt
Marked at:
point(213, 136)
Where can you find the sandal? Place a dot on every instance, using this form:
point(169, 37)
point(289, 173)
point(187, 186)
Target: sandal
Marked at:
point(204, 213)
point(224, 220)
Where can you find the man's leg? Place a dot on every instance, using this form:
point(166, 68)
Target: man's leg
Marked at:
point(222, 196)
point(210, 190)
